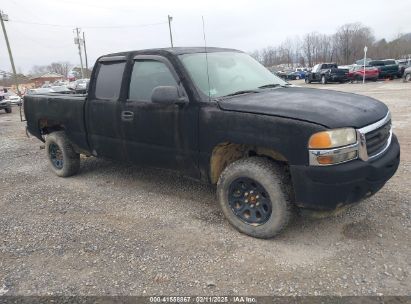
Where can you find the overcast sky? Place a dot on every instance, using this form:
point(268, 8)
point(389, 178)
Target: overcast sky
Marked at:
point(119, 25)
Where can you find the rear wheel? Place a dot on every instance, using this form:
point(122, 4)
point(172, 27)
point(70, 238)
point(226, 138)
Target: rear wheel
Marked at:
point(408, 77)
point(8, 110)
point(63, 159)
point(323, 79)
point(254, 196)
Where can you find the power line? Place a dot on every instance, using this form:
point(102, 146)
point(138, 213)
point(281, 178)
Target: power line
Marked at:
point(88, 26)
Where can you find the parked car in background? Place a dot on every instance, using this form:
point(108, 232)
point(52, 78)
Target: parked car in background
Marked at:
point(327, 72)
point(14, 99)
point(51, 89)
point(297, 74)
point(79, 86)
point(39, 91)
point(402, 65)
point(280, 74)
point(5, 103)
point(361, 61)
point(407, 74)
point(62, 89)
point(387, 68)
point(356, 73)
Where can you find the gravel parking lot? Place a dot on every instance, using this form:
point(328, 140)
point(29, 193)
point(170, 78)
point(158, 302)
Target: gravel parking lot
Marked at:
point(120, 230)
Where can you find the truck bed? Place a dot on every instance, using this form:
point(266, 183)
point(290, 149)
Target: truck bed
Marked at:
point(57, 111)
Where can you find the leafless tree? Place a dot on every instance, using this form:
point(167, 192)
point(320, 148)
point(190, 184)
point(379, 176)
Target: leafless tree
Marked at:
point(62, 68)
point(350, 40)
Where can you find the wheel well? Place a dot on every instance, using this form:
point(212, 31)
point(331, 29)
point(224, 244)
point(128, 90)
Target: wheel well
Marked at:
point(225, 153)
point(48, 126)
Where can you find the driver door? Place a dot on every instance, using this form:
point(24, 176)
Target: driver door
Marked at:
point(159, 135)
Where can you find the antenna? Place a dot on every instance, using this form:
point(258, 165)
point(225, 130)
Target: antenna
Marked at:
point(206, 55)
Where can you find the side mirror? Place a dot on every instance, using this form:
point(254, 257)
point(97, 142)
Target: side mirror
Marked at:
point(167, 95)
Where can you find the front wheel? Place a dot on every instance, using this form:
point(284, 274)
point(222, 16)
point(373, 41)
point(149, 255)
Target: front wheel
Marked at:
point(407, 77)
point(8, 110)
point(63, 159)
point(254, 196)
point(307, 80)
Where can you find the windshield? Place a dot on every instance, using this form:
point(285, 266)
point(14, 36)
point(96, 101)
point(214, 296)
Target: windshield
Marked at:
point(228, 72)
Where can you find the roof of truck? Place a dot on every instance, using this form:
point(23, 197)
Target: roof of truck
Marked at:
point(175, 51)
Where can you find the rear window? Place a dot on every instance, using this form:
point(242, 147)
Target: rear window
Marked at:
point(109, 79)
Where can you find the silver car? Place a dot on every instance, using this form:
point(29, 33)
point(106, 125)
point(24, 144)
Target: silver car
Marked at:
point(407, 74)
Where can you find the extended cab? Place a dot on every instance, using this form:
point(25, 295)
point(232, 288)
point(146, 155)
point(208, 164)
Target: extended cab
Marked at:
point(223, 118)
point(326, 72)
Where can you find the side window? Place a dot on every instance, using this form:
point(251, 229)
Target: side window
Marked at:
point(146, 75)
point(109, 79)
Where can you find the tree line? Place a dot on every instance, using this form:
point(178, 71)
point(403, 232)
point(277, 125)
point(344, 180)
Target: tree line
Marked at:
point(63, 68)
point(344, 47)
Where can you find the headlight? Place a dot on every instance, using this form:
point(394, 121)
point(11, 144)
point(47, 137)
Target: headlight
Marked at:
point(332, 139)
point(333, 147)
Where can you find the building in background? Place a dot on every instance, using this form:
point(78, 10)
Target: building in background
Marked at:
point(46, 79)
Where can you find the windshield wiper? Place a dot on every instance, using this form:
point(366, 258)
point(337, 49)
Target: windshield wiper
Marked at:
point(273, 85)
point(241, 92)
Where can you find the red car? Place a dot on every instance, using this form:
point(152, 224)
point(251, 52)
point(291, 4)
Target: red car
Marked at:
point(356, 73)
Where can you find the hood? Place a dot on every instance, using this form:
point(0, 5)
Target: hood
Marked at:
point(331, 109)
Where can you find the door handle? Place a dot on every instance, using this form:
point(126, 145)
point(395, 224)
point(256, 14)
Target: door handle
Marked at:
point(127, 116)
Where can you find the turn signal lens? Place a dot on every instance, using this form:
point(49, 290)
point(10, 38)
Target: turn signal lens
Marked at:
point(337, 158)
point(332, 139)
point(320, 140)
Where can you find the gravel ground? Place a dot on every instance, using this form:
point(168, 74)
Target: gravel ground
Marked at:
point(120, 230)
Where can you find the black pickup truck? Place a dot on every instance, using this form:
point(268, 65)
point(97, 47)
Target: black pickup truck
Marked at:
point(222, 118)
point(387, 68)
point(327, 72)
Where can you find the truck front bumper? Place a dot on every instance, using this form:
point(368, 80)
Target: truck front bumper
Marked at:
point(331, 187)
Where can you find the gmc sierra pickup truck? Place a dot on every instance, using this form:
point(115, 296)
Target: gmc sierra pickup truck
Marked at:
point(221, 117)
point(327, 72)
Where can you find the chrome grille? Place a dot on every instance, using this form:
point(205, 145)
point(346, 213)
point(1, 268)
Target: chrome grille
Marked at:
point(376, 140)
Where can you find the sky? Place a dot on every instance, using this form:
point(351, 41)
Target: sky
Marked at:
point(41, 31)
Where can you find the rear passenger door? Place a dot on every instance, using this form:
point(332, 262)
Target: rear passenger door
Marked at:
point(160, 135)
point(103, 111)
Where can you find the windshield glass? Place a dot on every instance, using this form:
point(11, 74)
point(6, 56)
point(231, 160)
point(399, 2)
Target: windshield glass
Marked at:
point(229, 72)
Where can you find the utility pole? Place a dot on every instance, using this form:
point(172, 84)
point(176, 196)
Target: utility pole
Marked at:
point(6, 18)
point(169, 27)
point(78, 42)
point(85, 53)
point(365, 58)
